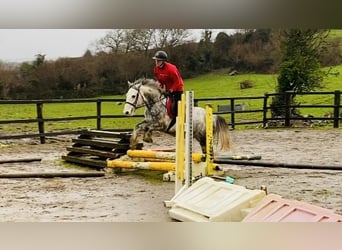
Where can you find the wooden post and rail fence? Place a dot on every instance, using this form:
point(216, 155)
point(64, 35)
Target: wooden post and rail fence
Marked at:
point(237, 111)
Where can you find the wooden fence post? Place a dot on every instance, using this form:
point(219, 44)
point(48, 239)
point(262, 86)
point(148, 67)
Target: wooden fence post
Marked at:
point(287, 109)
point(232, 112)
point(40, 120)
point(98, 114)
point(264, 119)
point(337, 102)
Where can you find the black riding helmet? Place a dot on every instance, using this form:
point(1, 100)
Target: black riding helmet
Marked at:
point(160, 55)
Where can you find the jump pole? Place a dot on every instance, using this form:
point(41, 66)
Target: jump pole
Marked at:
point(180, 144)
point(188, 137)
point(163, 166)
point(157, 155)
point(184, 136)
point(183, 144)
point(209, 139)
point(279, 165)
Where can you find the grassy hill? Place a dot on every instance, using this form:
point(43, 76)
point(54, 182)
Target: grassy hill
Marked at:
point(219, 83)
point(335, 34)
point(215, 84)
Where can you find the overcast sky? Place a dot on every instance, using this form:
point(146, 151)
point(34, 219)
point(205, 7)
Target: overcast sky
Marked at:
point(18, 45)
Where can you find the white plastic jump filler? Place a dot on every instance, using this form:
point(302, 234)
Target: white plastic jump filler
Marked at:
point(205, 200)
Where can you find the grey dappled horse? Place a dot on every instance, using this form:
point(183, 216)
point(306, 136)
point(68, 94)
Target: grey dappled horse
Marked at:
point(147, 93)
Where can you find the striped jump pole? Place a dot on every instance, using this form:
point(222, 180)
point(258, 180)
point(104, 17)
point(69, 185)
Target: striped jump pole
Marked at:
point(209, 139)
point(162, 166)
point(180, 168)
point(158, 156)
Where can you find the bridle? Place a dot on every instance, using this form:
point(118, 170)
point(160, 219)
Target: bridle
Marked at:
point(134, 103)
point(147, 104)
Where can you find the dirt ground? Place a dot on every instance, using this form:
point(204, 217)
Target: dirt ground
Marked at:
point(139, 197)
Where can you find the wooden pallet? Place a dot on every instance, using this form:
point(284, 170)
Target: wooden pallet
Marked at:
point(94, 147)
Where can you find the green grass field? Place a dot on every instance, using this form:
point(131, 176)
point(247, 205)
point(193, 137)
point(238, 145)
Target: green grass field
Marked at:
point(215, 84)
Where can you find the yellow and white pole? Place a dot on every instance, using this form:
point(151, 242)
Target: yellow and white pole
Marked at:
point(180, 145)
point(162, 166)
point(209, 139)
point(157, 155)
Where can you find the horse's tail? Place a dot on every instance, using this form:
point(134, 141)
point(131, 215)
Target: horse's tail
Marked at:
point(222, 132)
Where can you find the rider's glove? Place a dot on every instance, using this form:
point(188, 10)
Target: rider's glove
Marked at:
point(167, 93)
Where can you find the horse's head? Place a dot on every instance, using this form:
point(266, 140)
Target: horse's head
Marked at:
point(141, 93)
point(134, 98)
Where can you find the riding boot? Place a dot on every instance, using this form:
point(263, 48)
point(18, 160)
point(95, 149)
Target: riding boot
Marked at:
point(176, 96)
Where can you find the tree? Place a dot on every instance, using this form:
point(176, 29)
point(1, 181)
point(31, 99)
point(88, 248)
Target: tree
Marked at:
point(141, 39)
point(126, 40)
point(300, 67)
point(112, 41)
point(205, 51)
point(170, 37)
point(177, 37)
point(221, 50)
point(40, 59)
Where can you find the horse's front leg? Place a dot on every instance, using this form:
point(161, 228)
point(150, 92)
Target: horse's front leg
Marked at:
point(151, 127)
point(135, 133)
point(134, 139)
point(147, 137)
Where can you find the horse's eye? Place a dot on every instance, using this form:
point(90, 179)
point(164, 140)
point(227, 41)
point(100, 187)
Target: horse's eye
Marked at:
point(133, 96)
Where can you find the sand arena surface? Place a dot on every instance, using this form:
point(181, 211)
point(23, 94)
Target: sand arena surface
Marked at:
point(138, 197)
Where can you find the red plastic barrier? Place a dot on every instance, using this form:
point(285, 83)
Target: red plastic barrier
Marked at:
point(273, 208)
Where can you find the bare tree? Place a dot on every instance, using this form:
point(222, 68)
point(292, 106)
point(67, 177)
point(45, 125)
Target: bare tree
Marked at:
point(146, 39)
point(170, 37)
point(142, 39)
point(160, 38)
point(178, 37)
point(129, 40)
point(112, 41)
point(206, 36)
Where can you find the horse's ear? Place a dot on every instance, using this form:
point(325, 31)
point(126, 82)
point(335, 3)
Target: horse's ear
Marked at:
point(130, 84)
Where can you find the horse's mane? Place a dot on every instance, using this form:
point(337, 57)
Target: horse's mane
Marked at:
point(154, 90)
point(151, 83)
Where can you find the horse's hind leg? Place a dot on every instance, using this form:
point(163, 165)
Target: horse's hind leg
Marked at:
point(203, 143)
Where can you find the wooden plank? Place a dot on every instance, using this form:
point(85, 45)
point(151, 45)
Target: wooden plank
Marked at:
point(6, 137)
point(101, 143)
point(84, 161)
point(277, 164)
point(108, 134)
point(20, 160)
point(53, 175)
point(106, 154)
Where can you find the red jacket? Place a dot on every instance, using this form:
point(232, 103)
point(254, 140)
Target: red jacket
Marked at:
point(169, 77)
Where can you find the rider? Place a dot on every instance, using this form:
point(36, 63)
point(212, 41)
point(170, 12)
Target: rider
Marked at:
point(169, 79)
